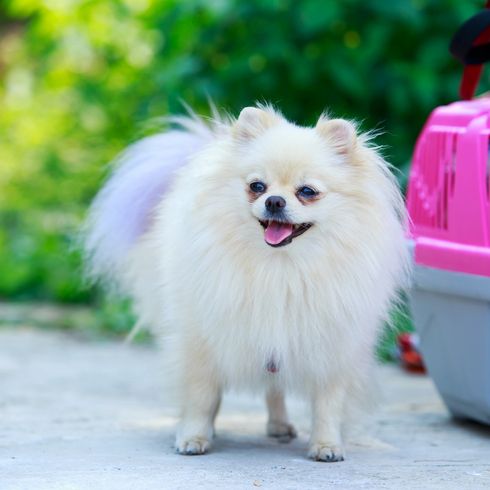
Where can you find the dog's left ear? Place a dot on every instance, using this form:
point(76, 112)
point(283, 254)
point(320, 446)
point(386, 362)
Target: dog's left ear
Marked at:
point(341, 134)
point(253, 121)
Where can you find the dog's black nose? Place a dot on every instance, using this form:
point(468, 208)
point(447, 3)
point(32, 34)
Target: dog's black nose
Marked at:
point(275, 204)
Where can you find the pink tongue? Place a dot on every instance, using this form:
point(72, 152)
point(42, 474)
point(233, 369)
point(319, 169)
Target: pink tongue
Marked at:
point(276, 232)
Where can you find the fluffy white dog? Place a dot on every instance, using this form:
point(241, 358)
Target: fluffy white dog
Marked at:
point(268, 254)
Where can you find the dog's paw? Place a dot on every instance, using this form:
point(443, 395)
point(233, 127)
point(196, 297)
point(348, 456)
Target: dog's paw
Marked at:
point(326, 452)
point(282, 431)
point(193, 446)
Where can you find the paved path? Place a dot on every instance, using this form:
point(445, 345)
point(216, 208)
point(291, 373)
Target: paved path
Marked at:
point(78, 415)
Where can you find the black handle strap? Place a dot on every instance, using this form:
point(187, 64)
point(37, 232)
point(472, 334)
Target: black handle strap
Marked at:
point(471, 46)
point(463, 45)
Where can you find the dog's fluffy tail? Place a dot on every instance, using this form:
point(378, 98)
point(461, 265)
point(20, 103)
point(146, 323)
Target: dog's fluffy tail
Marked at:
point(122, 210)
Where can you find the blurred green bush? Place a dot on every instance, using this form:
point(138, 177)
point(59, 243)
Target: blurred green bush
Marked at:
point(81, 79)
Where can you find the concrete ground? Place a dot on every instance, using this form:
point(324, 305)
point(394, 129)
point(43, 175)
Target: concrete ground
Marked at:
point(79, 415)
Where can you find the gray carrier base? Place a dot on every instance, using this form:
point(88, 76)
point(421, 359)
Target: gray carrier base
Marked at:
point(451, 313)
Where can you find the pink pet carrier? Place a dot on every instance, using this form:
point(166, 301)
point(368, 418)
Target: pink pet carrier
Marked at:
point(448, 197)
point(449, 206)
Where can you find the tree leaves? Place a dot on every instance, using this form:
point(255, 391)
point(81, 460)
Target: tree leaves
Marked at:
point(80, 79)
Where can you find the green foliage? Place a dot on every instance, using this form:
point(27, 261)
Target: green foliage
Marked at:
point(81, 78)
point(400, 322)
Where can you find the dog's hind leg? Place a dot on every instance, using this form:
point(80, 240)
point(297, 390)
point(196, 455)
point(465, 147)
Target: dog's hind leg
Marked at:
point(215, 414)
point(278, 422)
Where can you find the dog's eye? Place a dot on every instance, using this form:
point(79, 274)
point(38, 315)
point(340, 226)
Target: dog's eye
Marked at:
point(307, 192)
point(258, 187)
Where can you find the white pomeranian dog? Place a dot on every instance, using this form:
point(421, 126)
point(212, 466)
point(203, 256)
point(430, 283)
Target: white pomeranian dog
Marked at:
point(268, 254)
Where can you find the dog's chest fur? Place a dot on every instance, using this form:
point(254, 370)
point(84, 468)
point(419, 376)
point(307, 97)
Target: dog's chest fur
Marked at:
point(270, 319)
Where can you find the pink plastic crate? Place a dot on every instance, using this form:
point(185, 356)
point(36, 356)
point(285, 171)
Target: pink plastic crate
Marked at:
point(449, 189)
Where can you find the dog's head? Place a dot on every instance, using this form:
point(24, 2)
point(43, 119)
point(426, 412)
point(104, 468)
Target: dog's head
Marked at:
point(297, 183)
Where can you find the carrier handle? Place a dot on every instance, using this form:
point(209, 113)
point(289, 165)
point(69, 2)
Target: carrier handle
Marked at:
point(471, 45)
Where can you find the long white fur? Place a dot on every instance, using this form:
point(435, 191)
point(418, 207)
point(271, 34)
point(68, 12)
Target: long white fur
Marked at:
point(228, 303)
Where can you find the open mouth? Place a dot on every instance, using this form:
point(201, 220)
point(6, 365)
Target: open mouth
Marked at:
point(280, 233)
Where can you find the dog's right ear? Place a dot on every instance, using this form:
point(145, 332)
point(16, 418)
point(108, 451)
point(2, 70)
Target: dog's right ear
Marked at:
point(253, 121)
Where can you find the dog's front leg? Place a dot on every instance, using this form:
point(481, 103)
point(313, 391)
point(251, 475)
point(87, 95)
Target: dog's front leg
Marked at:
point(326, 440)
point(200, 401)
